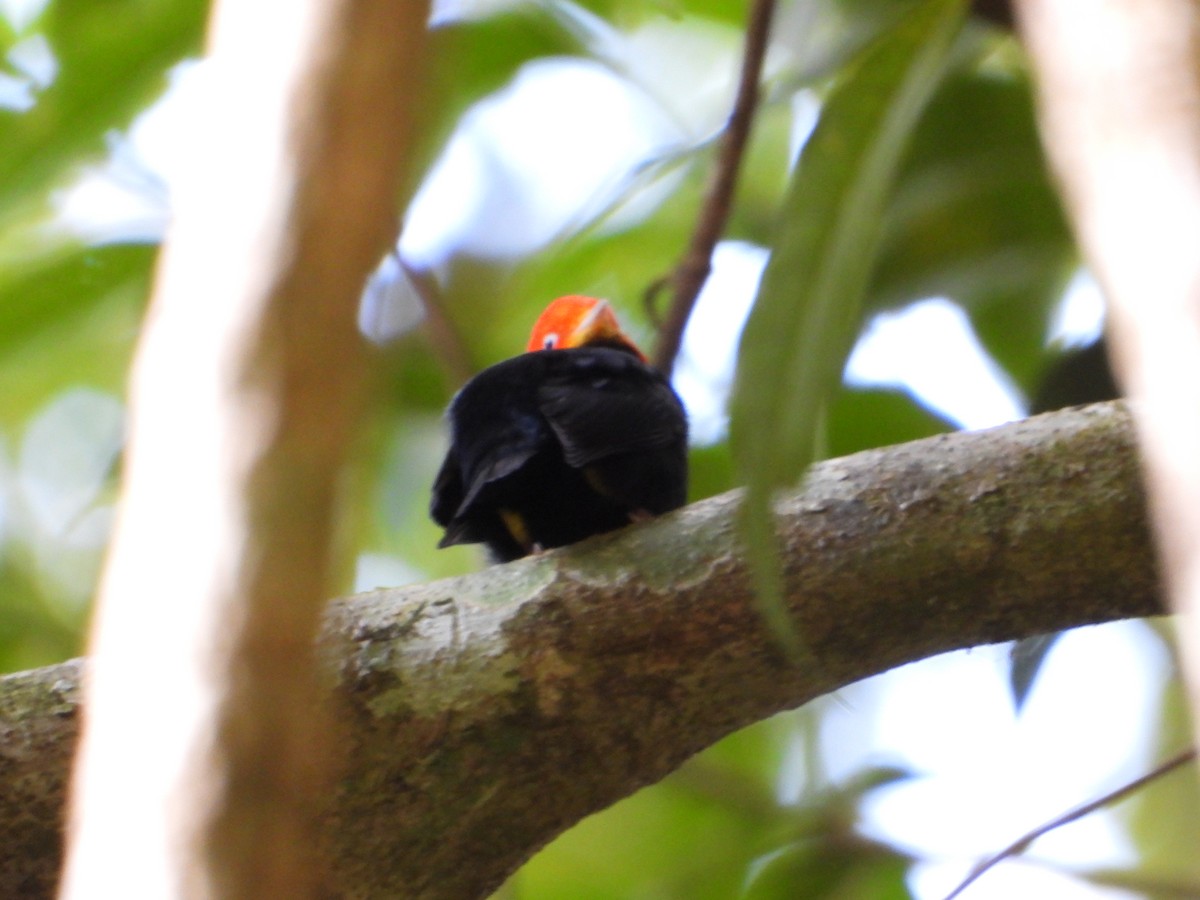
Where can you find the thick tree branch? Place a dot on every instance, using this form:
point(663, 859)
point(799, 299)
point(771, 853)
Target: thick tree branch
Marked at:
point(482, 715)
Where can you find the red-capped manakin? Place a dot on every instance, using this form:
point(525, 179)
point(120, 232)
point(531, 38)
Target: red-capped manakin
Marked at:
point(575, 437)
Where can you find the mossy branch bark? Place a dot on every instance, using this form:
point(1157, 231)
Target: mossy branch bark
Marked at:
point(480, 716)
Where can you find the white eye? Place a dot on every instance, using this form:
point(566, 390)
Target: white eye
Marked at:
point(549, 342)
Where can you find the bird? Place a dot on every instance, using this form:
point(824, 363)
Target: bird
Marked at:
point(577, 436)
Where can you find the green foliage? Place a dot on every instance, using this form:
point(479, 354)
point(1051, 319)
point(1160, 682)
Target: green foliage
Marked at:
point(111, 57)
point(809, 308)
point(975, 216)
point(68, 310)
point(912, 185)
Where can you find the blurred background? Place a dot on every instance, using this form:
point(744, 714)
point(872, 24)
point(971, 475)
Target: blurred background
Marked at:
point(566, 147)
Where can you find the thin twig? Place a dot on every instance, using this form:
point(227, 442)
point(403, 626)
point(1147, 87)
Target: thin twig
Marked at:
point(691, 273)
point(1023, 842)
point(447, 344)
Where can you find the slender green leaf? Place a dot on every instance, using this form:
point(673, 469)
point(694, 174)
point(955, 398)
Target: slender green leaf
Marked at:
point(810, 305)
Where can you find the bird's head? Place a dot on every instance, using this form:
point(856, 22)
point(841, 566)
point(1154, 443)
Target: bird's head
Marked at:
point(577, 321)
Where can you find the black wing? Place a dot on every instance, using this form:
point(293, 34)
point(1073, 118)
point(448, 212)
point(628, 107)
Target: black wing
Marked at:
point(604, 403)
point(447, 494)
point(495, 430)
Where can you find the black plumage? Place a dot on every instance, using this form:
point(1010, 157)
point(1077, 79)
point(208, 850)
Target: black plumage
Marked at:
point(554, 446)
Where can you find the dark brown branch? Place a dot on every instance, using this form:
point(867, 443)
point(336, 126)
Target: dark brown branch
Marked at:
point(481, 716)
point(443, 336)
point(998, 12)
point(1021, 844)
point(692, 271)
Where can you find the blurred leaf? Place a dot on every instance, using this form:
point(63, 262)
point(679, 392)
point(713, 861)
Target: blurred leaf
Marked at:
point(821, 36)
point(72, 321)
point(396, 520)
point(661, 842)
point(809, 309)
point(1025, 662)
point(846, 868)
point(730, 11)
point(614, 263)
point(473, 58)
point(112, 58)
point(31, 634)
point(37, 298)
point(866, 780)
point(825, 855)
point(976, 217)
point(1162, 822)
point(594, 33)
point(710, 471)
point(766, 169)
point(1143, 885)
point(69, 313)
point(861, 419)
point(755, 757)
point(1079, 375)
point(691, 836)
point(631, 12)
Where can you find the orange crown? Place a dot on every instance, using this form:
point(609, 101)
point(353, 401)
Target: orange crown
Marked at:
point(576, 321)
